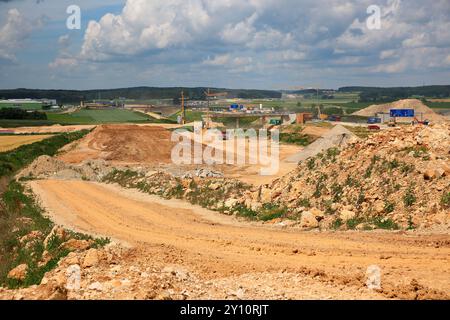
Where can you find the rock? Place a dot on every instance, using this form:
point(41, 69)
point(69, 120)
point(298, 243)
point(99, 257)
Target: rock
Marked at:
point(231, 203)
point(56, 232)
point(429, 174)
point(346, 215)
point(308, 220)
point(19, 273)
point(53, 292)
point(91, 259)
point(378, 206)
point(215, 186)
point(71, 259)
point(266, 195)
point(318, 214)
point(33, 235)
point(76, 245)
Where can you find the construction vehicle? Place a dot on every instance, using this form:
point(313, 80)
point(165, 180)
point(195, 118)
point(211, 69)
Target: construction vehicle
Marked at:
point(335, 118)
point(424, 122)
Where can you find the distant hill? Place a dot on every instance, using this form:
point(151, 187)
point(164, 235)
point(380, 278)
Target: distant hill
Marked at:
point(375, 94)
point(137, 93)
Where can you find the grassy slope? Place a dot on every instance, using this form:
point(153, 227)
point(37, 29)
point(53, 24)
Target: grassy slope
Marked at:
point(20, 214)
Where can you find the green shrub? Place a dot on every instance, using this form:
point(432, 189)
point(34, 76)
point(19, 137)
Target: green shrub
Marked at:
point(311, 164)
point(304, 202)
point(12, 161)
point(385, 223)
point(409, 198)
point(389, 207)
point(445, 200)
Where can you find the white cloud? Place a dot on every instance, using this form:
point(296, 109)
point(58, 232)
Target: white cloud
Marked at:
point(13, 33)
point(269, 40)
point(219, 60)
point(62, 62)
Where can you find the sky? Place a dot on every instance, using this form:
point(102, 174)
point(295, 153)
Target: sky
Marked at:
point(260, 44)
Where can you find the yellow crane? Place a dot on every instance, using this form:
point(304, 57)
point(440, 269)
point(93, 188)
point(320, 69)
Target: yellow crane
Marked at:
point(183, 108)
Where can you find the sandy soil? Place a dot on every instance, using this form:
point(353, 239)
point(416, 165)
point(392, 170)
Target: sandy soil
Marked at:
point(217, 246)
point(12, 142)
point(51, 129)
point(151, 145)
point(122, 144)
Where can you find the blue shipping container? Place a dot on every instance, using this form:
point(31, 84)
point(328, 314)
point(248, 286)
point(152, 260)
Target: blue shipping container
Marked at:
point(374, 120)
point(402, 113)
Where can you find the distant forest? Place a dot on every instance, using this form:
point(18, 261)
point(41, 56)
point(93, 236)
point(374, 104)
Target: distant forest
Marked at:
point(18, 114)
point(374, 94)
point(138, 93)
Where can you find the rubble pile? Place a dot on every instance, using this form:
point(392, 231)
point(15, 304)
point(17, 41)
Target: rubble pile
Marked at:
point(46, 167)
point(398, 178)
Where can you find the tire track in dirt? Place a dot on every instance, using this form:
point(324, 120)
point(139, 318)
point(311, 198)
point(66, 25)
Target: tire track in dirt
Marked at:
point(218, 246)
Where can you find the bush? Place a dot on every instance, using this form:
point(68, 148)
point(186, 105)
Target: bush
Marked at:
point(389, 207)
point(311, 164)
point(445, 200)
point(409, 198)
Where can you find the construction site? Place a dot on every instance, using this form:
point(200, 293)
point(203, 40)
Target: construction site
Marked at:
point(341, 202)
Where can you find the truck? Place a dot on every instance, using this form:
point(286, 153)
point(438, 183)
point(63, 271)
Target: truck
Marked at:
point(275, 122)
point(335, 118)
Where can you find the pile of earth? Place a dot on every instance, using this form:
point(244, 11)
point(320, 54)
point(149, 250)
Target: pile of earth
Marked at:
point(118, 273)
point(398, 178)
point(122, 144)
point(421, 110)
point(46, 167)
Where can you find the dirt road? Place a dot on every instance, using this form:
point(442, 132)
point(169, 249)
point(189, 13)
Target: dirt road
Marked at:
point(218, 246)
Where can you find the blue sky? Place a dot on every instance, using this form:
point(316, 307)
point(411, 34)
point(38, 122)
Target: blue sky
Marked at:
point(265, 44)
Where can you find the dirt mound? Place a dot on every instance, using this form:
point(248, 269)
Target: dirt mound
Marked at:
point(47, 167)
point(421, 110)
point(396, 178)
point(122, 144)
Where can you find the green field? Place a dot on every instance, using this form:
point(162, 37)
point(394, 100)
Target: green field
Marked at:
point(438, 105)
point(99, 116)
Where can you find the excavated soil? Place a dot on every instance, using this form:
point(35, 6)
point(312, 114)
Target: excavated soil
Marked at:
point(122, 144)
point(421, 110)
point(414, 266)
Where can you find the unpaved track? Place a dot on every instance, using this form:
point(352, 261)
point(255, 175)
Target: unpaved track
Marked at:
point(221, 246)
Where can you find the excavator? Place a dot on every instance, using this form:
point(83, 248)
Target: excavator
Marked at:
point(417, 121)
